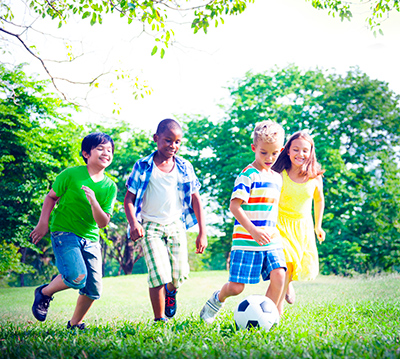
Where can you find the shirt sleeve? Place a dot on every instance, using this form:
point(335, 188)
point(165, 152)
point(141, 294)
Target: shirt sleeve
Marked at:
point(60, 184)
point(132, 183)
point(241, 189)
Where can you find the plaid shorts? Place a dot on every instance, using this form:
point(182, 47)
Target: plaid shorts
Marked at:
point(247, 266)
point(165, 252)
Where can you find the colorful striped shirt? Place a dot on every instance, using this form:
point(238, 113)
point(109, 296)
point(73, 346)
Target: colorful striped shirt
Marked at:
point(260, 192)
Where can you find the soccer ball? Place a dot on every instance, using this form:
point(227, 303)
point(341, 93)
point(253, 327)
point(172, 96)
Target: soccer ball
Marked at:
point(256, 311)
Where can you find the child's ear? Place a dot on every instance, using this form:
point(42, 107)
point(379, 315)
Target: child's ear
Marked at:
point(155, 137)
point(253, 147)
point(85, 154)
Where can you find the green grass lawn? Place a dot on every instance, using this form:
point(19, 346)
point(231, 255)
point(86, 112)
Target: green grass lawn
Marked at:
point(333, 317)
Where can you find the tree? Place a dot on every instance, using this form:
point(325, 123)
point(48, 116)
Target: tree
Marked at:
point(355, 124)
point(38, 140)
point(154, 18)
point(378, 11)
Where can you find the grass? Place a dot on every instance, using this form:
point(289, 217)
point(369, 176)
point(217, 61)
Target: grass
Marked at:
point(333, 317)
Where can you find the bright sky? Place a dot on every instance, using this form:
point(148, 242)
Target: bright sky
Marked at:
point(192, 76)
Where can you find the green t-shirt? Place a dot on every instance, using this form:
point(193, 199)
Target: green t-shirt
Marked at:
point(73, 212)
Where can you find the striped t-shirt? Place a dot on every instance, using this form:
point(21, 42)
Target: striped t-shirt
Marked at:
point(260, 192)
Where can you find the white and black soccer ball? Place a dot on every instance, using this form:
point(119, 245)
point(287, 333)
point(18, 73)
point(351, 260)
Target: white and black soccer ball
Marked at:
point(256, 311)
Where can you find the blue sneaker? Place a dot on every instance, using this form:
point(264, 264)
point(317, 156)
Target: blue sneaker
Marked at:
point(170, 302)
point(41, 304)
point(81, 326)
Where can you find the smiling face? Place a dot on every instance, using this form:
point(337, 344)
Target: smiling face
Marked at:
point(168, 143)
point(100, 156)
point(299, 152)
point(266, 154)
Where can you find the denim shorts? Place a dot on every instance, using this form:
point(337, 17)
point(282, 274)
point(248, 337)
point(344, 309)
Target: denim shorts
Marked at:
point(247, 266)
point(79, 262)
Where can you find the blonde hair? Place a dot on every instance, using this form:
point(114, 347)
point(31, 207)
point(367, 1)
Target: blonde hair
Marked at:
point(268, 131)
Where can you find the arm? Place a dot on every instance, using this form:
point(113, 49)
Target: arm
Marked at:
point(136, 230)
point(319, 206)
point(201, 241)
point(43, 225)
point(258, 234)
point(101, 218)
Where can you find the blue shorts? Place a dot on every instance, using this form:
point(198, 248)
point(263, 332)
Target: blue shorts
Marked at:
point(79, 262)
point(247, 266)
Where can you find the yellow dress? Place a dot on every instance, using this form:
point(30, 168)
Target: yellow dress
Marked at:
point(296, 226)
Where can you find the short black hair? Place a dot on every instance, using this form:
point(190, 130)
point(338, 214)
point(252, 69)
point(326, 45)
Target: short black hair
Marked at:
point(167, 124)
point(92, 140)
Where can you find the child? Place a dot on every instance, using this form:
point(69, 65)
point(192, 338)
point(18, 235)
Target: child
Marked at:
point(161, 201)
point(302, 183)
point(256, 248)
point(86, 199)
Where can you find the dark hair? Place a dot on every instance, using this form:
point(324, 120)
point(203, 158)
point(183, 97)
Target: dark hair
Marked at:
point(167, 124)
point(92, 140)
point(311, 167)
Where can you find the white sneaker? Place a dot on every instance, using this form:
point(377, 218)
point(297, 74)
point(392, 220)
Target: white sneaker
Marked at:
point(211, 308)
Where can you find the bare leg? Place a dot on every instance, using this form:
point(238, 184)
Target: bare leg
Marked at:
point(82, 307)
point(230, 289)
point(276, 285)
point(170, 287)
point(157, 298)
point(290, 294)
point(288, 278)
point(56, 285)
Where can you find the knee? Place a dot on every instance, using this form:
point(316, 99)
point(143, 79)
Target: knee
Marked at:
point(78, 282)
point(236, 288)
point(278, 275)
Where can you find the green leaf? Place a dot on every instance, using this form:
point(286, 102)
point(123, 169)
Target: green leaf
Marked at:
point(154, 50)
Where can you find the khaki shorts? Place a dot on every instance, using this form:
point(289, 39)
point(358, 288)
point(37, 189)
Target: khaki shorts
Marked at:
point(165, 252)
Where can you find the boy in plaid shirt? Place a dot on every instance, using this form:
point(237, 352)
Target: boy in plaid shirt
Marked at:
point(161, 202)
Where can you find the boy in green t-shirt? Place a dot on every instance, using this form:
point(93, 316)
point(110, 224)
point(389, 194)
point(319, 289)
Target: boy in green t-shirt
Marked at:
point(85, 201)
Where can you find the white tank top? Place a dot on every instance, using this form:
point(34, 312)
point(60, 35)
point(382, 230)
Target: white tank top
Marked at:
point(161, 200)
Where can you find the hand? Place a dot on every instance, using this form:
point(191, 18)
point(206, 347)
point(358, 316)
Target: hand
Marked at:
point(136, 232)
point(261, 236)
point(201, 243)
point(39, 232)
point(320, 234)
point(91, 197)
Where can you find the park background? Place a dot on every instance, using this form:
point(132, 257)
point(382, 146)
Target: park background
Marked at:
point(284, 60)
point(280, 60)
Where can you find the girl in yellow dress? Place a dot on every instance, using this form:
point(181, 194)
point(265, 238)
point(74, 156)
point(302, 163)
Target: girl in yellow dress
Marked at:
point(302, 183)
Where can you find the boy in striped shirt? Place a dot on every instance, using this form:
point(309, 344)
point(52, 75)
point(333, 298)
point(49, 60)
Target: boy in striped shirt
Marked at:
point(256, 245)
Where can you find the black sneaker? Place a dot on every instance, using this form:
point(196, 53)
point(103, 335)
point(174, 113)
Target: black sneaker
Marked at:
point(170, 302)
point(41, 304)
point(81, 326)
point(161, 320)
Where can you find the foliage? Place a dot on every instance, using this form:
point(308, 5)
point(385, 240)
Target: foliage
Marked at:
point(378, 10)
point(153, 14)
point(333, 318)
point(355, 124)
point(37, 142)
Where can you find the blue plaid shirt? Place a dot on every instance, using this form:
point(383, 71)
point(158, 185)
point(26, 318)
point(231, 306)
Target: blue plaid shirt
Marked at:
point(188, 184)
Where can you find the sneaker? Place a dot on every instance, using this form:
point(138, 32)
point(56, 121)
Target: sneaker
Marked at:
point(161, 320)
point(41, 304)
point(81, 326)
point(211, 308)
point(170, 302)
